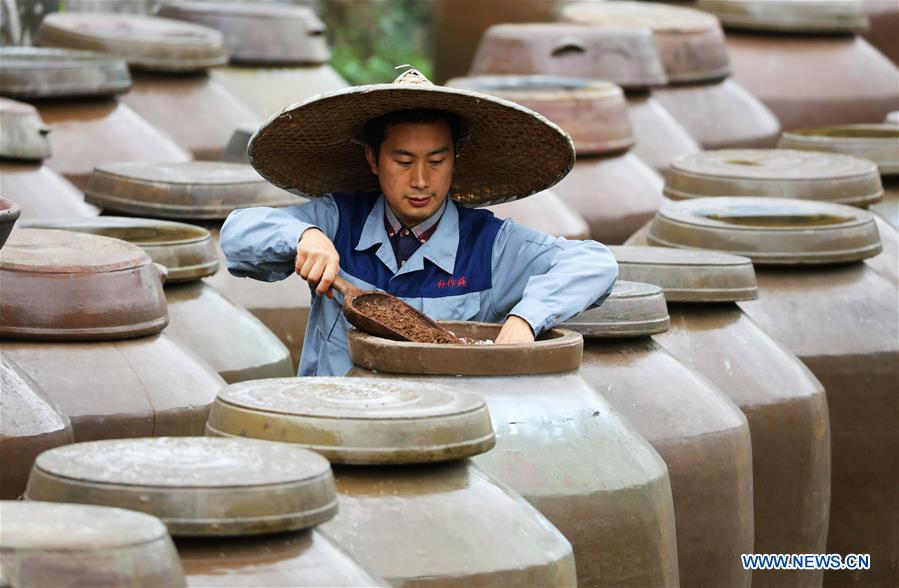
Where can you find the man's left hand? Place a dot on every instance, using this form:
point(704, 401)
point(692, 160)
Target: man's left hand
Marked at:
point(515, 330)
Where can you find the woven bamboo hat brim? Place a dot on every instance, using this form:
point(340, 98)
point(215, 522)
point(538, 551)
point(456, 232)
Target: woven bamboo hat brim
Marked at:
point(504, 152)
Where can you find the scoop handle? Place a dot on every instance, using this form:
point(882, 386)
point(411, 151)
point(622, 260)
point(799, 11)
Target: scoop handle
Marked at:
point(345, 289)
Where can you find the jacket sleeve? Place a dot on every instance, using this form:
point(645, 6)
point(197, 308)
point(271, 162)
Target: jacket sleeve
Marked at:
point(547, 280)
point(261, 243)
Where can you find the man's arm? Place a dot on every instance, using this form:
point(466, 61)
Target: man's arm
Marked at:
point(541, 281)
point(264, 243)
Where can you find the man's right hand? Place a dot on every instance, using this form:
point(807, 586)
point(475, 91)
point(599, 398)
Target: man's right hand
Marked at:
point(317, 261)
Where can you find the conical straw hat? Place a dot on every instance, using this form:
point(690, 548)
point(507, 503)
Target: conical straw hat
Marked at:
point(505, 151)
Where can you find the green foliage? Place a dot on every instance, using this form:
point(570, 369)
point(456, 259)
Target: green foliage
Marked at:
point(369, 38)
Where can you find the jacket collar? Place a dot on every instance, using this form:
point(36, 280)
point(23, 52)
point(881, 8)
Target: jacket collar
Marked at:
point(440, 249)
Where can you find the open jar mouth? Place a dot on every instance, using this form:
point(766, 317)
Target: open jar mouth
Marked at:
point(786, 219)
point(555, 351)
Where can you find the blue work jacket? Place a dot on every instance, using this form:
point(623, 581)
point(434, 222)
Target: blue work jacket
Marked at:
point(473, 267)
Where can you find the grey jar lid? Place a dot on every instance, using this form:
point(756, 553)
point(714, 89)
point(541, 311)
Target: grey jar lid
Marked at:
point(38, 72)
point(876, 142)
point(198, 486)
point(145, 42)
point(773, 231)
point(776, 173)
point(362, 421)
point(189, 190)
point(188, 252)
point(262, 33)
point(687, 275)
point(803, 16)
point(627, 57)
point(633, 309)
point(49, 544)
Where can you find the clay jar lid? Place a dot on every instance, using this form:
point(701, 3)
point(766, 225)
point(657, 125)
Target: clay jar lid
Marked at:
point(555, 351)
point(688, 276)
point(877, 142)
point(186, 251)
point(146, 42)
point(45, 544)
point(627, 57)
point(776, 231)
point(594, 113)
point(198, 486)
point(822, 16)
point(9, 214)
point(34, 73)
point(780, 173)
point(633, 309)
point(189, 190)
point(363, 421)
point(259, 33)
point(60, 285)
point(23, 135)
point(690, 42)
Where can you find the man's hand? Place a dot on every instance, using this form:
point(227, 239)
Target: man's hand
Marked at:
point(515, 330)
point(317, 261)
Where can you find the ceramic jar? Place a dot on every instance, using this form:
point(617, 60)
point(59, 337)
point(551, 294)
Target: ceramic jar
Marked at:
point(840, 318)
point(699, 432)
point(626, 57)
point(278, 53)
point(75, 95)
point(783, 402)
point(81, 315)
point(804, 61)
point(169, 61)
point(559, 444)
point(715, 110)
point(404, 484)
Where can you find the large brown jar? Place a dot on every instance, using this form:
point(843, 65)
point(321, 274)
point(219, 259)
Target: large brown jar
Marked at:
point(279, 53)
point(74, 545)
point(788, 173)
point(880, 144)
point(81, 316)
point(242, 511)
point(840, 318)
point(29, 424)
point(406, 490)
point(226, 336)
point(169, 62)
point(207, 192)
point(75, 94)
point(782, 401)
point(626, 57)
point(612, 189)
point(702, 436)
point(804, 61)
point(559, 444)
point(715, 110)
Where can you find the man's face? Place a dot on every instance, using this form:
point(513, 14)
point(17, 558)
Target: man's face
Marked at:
point(414, 168)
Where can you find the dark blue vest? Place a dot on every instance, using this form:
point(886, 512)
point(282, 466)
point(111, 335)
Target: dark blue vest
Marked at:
point(474, 257)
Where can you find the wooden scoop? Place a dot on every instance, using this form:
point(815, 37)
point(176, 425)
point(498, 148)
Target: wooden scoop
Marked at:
point(389, 317)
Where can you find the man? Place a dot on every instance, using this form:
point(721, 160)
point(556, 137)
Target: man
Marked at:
point(392, 169)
